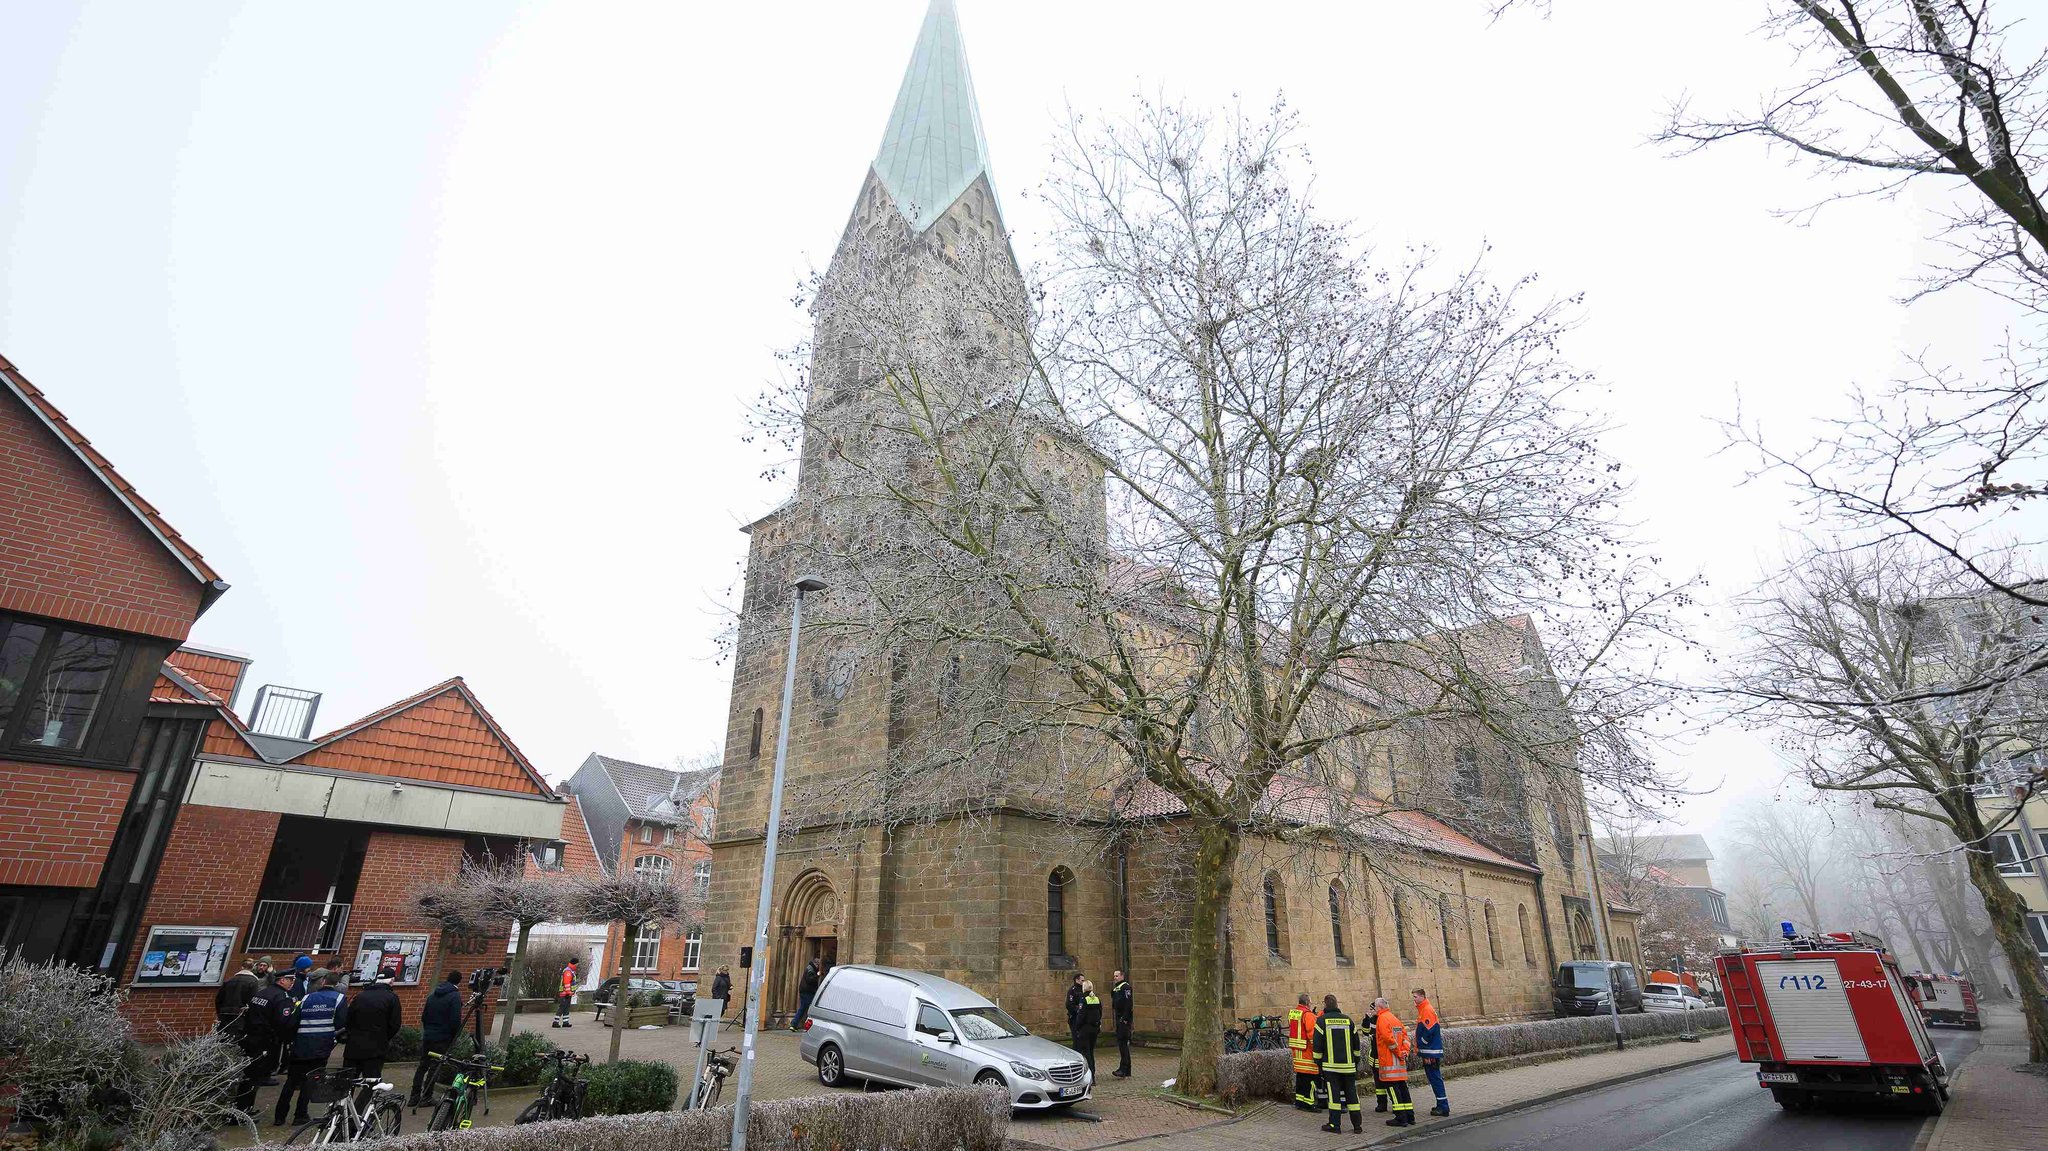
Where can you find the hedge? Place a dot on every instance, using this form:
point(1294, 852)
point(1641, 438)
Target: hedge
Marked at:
point(926, 1119)
point(1270, 1074)
point(525, 1059)
point(629, 1086)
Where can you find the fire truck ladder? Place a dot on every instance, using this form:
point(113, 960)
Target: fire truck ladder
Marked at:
point(1743, 1011)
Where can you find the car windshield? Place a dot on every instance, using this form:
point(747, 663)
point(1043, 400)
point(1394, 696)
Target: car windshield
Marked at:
point(1660, 989)
point(987, 1023)
point(1591, 978)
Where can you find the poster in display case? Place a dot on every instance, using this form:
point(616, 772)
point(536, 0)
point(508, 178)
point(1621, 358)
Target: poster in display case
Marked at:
point(185, 957)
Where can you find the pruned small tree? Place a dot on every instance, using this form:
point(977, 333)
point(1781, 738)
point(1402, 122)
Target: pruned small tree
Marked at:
point(64, 1045)
point(494, 896)
point(1230, 515)
point(1853, 662)
point(1673, 925)
point(633, 899)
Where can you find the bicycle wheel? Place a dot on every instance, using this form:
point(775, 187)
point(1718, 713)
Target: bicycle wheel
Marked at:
point(536, 1112)
point(444, 1116)
point(717, 1086)
point(318, 1133)
point(386, 1116)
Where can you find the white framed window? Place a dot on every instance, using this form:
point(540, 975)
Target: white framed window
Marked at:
point(647, 947)
point(653, 866)
point(647, 833)
point(700, 878)
point(2037, 927)
point(668, 837)
point(693, 945)
point(2011, 854)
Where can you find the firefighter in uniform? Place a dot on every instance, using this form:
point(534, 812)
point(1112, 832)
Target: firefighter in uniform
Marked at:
point(1335, 1044)
point(1392, 1039)
point(1301, 1030)
point(1369, 1027)
point(1429, 1049)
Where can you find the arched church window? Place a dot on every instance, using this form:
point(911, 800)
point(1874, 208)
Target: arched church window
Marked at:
point(1276, 917)
point(1401, 927)
point(1337, 922)
point(1058, 886)
point(1522, 922)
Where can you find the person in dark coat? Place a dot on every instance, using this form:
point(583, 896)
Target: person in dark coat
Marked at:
point(1088, 1025)
point(267, 1025)
point(721, 986)
point(440, 1023)
point(373, 1022)
point(323, 1013)
point(806, 990)
point(1121, 1006)
point(233, 999)
point(1074, 1010)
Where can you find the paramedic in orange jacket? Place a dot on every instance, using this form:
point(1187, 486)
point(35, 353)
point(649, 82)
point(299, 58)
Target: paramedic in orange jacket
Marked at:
point(1301, 1027)
point(1392, 1041)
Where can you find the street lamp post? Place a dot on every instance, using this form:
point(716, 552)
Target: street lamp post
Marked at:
point(760, 964)
point(1600, 931)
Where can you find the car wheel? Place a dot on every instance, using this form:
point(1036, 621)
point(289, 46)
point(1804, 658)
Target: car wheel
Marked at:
point(991, 1078)
point(831, 1066)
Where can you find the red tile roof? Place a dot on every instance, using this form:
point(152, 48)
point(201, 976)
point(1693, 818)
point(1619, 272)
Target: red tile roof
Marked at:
point(223, 735)
point(123, 490)
point(441, 735)
point(217, 673)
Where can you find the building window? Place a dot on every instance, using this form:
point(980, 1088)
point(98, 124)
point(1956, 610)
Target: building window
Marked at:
point(1443, 920)
point(1492, 936)
point(548, 855)
point(2037, 926)
point(647, 947)
point(754, 740)
point(1056, 886)
point(52, 683)
point(1337, 922)
point(700, 878)
point(693, 946)
point(668, 837)
point(1401, 927)
point(1466, 772)
point(2011, 853)
point(647, 833)
point(1276, 917)
point(1522, 924)
point(652, 866)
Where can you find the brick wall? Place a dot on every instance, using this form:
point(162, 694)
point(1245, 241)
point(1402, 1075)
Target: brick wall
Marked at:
point(68, 549)
point(212, 869)
point(58, 822)
point(683, 856)
point(396, 864)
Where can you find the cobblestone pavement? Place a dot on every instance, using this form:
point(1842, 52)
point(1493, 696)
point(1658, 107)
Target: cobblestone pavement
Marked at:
point(1992, 1106)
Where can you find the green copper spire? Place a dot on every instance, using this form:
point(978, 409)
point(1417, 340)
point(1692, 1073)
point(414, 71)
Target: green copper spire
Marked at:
point(932, 149)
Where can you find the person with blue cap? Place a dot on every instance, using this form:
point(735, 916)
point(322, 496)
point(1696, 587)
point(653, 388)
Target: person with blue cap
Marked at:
point(302, 981)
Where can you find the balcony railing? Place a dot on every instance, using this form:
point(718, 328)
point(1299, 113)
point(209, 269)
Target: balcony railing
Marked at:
point(290, 925)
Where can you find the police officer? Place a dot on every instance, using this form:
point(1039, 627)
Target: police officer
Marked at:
point(1392, 1040)
point(1121, 1006)
point(1088, 1025)
point(1335, 1044)
point(1301, 1030)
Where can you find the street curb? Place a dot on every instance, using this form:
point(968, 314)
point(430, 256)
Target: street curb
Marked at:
point(1419, 1131)
point(1928, 1132)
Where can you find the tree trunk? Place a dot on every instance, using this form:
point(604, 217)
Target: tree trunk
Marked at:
point(513, 986)
point(2009, 923)
point(618, 1005)
point(1202, 1029)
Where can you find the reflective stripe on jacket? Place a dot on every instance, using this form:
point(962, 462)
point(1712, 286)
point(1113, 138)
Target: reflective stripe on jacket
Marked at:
point(1336, 1046)
point(1429, 1032)
point(1301, 1028)
point(569, 980)
point(1393, 1048)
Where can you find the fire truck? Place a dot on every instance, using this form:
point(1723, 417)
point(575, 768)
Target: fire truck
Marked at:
point(1830, 1014)
point(1945, 999)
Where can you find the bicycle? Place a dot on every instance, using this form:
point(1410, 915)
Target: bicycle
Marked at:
point(717, 1067)
point(472, 1078)
point(358, 1110)
point(1258, 1033)
point(563, 1097)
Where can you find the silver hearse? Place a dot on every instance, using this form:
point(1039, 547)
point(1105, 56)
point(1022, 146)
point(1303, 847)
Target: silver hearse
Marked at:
point(917, 1030)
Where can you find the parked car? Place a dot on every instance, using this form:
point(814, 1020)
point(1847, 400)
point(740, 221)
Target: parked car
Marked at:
point(682, 997)
point(908, 1028)
point(636, 985)
point(1670, 997)
point(1582, 987)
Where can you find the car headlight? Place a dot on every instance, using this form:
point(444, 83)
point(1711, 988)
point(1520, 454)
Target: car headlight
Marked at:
point(1028, 1071)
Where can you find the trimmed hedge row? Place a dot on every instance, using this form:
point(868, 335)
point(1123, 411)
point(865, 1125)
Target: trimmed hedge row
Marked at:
point(1270, 1074)
point(927, 1119)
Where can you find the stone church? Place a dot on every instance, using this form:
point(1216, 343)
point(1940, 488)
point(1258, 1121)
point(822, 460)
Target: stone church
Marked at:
point(1005, 902)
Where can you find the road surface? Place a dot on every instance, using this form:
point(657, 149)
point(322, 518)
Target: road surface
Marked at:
point(1715, 1106)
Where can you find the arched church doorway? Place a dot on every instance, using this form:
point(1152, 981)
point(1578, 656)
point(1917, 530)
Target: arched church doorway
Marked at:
point(809, 933)
point(1582, 936)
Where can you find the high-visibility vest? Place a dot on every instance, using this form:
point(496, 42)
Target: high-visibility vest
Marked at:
point(1339, 1046)
point(1372, 1049)
point(1301, 1028)
point(1393, 1047)
point(569, 979)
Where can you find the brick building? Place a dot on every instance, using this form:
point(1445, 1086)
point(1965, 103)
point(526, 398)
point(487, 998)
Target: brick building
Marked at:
point(574, 854)
point(96, 589)
point(1005, 899)
point(657, 820)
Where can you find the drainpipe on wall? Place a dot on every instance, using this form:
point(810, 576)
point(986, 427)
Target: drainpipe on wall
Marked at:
point(1543, 913)
point(1123, 906)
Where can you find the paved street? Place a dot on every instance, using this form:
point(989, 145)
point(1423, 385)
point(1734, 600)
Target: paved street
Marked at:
point(1716, 1106)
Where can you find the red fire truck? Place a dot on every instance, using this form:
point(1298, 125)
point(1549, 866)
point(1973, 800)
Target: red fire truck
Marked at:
point(1830, 1015)
point(1945, 999)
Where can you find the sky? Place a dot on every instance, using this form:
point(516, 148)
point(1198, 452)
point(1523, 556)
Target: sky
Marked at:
point(434, 326)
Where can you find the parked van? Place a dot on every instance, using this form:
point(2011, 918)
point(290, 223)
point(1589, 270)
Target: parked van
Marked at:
point(1582, 987)
point(916, 1030)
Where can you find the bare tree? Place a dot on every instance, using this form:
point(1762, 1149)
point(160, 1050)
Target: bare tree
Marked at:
point(632, 899)
point(1836, 646)
point(1634, 863)
point(1750, 910)
point(1233, 515)
point(486, 898)
point(1791, 838)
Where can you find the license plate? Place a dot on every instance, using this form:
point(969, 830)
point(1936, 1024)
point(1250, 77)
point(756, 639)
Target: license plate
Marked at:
point(1066, 1092)
point(1902, 1090)
point(1777, 1077)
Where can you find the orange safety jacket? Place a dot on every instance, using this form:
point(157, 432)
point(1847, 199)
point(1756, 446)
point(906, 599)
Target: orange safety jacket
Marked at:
point(1393, 1048)
point(1301, 1027)
point(569, 979)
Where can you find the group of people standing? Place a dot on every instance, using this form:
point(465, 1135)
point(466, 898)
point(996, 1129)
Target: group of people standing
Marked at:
point(288, 1022)
point(1329, 1050)
point(1084, 1019)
